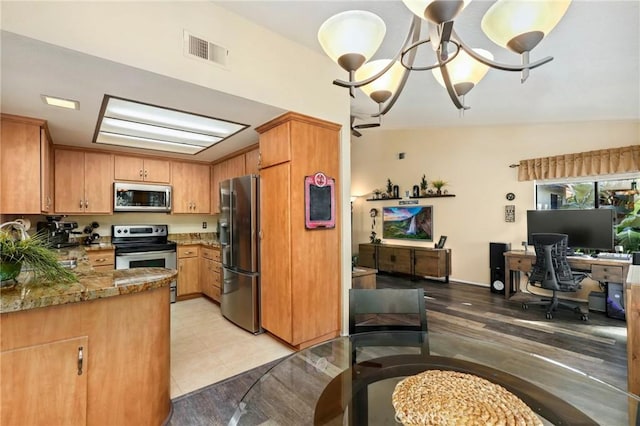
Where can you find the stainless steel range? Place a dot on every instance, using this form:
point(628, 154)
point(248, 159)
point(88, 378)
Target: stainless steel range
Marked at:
point(144, 246)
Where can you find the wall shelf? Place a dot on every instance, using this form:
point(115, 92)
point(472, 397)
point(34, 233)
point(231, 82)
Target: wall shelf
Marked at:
point(435, 196)
point(384, 199)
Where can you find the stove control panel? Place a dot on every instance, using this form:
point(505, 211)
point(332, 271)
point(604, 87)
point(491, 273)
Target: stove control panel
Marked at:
point(135, 231)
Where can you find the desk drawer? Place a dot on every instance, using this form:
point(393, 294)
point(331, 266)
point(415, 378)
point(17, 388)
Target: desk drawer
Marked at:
point(520, 264)
point(607, 273)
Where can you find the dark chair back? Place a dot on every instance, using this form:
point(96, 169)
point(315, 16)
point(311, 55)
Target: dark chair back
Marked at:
point(552, 268)
point(387, 302)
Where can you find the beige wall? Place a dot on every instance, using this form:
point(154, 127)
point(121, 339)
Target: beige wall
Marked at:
point(475, 161)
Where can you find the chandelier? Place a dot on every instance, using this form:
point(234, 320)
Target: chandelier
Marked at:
point(351, 38)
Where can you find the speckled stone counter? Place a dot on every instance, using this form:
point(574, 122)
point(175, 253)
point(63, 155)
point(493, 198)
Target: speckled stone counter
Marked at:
point(204, 238)
point(31, 293)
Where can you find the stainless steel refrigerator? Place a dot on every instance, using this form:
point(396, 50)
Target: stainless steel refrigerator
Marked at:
point(238, 233)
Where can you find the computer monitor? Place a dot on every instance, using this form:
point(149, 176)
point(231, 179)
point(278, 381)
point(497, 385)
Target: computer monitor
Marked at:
point(589, 229)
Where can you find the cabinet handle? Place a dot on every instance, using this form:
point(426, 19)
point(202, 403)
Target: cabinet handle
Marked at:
point(259, 159)
point(140, 172)
point(86, 204)
point(80, 359)
point(81, 204)
point(102, 259)
point(145, 173)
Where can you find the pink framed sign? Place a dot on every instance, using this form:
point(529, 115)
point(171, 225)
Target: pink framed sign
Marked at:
point(320, 201)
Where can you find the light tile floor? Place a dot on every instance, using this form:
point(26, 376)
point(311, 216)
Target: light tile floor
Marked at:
point(207, 348)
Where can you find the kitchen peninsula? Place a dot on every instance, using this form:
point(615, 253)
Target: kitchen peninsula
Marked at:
point(92, 352)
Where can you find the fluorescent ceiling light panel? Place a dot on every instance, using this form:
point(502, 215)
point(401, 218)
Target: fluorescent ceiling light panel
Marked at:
point(136, 125)
point(60, 102)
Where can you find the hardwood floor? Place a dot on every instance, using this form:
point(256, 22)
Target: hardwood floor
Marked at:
point(597, 347)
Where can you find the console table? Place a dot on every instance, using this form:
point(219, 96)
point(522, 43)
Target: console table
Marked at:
point(603, 270)
point(411, 260)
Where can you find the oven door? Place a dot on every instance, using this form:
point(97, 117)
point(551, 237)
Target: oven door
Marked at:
point(150, 259)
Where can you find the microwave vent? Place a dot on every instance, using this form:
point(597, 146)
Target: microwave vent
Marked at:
point(198, 47)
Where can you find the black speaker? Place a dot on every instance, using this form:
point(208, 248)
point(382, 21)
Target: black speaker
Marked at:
point(496, 255)
point(497, 281)
point(497, 266)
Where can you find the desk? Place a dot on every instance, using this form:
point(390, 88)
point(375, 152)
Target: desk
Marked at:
point(319, 385)
point(603, 270)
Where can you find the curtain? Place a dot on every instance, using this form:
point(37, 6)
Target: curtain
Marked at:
point(590, 163)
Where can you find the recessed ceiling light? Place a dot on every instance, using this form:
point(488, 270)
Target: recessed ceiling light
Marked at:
point(60, 102)
point(137, 125)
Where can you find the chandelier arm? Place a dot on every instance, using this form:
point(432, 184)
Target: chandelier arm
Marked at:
point(498, 65)
point(412, 35)
point(450, 90)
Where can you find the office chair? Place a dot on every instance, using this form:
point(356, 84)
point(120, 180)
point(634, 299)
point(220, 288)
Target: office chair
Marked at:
point(387, 310)
point(552, 272)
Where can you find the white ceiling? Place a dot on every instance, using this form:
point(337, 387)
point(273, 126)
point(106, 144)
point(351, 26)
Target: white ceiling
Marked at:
point(595, 74)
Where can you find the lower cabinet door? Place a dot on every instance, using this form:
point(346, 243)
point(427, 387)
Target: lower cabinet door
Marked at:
point(45, 384)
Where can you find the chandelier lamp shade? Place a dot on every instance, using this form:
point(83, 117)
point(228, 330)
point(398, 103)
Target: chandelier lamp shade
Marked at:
point(353, 37)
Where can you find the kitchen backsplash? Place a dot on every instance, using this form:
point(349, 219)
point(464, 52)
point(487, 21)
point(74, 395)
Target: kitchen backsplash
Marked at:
point(178, 224)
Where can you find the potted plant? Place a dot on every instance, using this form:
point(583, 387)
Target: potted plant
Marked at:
point(423, 185)
point(438, 184)
point(17, 249)
point(389, 188)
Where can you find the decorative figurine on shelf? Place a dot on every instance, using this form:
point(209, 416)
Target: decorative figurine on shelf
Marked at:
point(416, 191)
point(423, 185)
point(396, 191)
point(389, 188)
point(373, 238)
point(438, 184)
point(376, 194)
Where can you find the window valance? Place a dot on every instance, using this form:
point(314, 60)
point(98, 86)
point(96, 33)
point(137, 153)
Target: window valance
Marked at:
point(590, 163)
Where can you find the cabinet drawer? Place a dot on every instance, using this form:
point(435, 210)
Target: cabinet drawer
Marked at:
point(188, 251)
point(520, 264)
point(607, 273)
point(211, 253)
point(101, 258)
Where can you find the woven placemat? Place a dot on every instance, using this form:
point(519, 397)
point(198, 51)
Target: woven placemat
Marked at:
point(437, 397)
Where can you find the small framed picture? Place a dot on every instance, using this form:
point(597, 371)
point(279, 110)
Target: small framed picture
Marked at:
point(510, 213)
point(441, 242)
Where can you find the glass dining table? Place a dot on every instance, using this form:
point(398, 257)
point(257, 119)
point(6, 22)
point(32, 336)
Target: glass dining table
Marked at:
point(349, 380)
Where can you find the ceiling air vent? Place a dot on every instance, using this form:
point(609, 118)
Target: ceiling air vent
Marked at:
point(197, 47)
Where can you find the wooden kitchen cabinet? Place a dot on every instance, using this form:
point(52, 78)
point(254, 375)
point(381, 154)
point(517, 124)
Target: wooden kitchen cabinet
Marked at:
point(188, 281)
point(251, 162)
point(300, 283)
point(191, 187)
point(26, 184)
point(83, 182)
point(210, 272)
point(102, 260)
point(139, 169)
point(43, 384)
point(227, 169)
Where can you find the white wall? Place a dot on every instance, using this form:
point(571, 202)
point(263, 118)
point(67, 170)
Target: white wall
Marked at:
point(475, 161)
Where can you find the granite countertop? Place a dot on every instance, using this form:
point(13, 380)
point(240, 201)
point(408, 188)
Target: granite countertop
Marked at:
point(204, 238)
point(31, 293)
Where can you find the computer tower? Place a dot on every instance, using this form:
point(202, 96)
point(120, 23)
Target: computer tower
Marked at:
point(615, 301)
point(497, 266)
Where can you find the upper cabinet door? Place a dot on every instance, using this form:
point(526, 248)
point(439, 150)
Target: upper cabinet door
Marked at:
point(275, 145)
point(251, 159)
point(235, 166)
point(69, 181)
point(98, 183)
point(128, 168)
point(157, 171)
point(200, 189)
point(20, 190)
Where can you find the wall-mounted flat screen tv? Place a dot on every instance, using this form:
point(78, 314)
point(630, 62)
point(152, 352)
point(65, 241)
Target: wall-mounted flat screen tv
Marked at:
point(408, 223)
point(590, 229)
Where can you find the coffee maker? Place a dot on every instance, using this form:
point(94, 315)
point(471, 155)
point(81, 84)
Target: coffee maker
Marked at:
point(57, 232)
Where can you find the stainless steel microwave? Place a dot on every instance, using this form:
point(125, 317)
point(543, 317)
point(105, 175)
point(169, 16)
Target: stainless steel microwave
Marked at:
point(141, 197)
